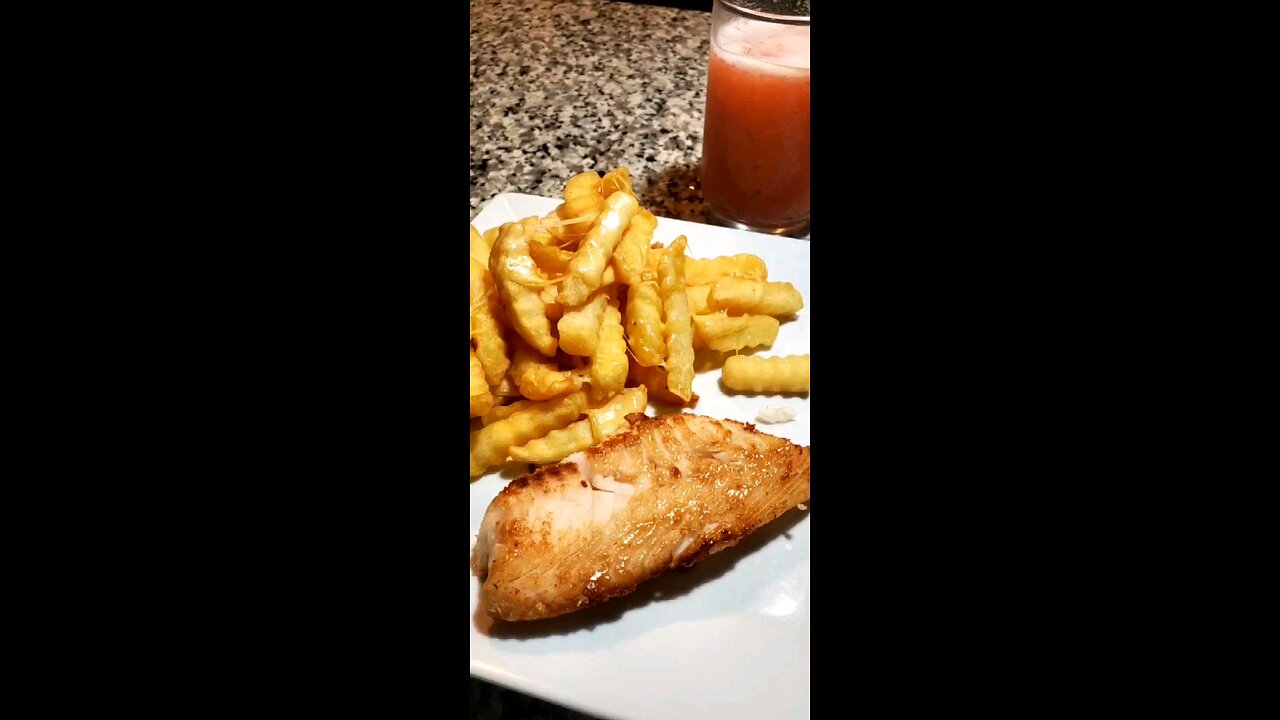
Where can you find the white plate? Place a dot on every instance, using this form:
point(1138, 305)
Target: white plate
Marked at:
point(728, 638)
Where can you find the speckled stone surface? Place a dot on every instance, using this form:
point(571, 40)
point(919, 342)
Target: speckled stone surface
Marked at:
point(562, 87)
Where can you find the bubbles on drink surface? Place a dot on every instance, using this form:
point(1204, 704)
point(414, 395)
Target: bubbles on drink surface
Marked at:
point(780, 46)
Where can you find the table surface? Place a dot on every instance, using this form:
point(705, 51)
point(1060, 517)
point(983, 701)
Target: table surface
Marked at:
point(562, 87)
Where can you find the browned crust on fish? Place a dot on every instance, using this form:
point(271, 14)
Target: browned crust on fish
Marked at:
point(539, 557)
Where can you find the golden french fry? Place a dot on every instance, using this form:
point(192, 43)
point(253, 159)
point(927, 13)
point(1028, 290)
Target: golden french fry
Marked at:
point(479, 248)
point(654, 379)
point(580, 327)
point(609, 363)
point(645, 329)
point(656, 251)
point(502, 411)
point(582, 195)
point(520, 284)
point(557, 281)
point(586, 270)
point(550, 259)
point(491, 348)
point(698, 295)
point(631, 256)
point(506, 388)
point(573, 218)
point(705, 359)
point(618, 180)
point(743, 265)
point(748, 373)
point(729, 332)
point(539, 378)
point(601, 422)
point(559, 229)
point(611, 417)
point(555, 445)
point(554, 309)
point(754, 297)
point(481, 398)
point(678, 329)
point(491, 444)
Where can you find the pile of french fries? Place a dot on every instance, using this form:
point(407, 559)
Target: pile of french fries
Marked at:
point(578, 318)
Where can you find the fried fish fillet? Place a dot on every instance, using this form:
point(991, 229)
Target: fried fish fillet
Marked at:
point(669, 492)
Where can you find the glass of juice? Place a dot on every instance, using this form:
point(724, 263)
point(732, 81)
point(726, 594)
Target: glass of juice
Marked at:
point(755, 144)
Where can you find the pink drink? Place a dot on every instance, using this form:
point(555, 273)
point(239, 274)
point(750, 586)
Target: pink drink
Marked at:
point(755, 156)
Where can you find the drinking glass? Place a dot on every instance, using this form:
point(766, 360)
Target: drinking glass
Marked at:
point(755, 143)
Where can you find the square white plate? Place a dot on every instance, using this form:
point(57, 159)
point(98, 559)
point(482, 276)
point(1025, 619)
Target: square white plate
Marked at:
point(728, 638)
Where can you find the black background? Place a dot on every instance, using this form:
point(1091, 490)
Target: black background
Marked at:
point(262, 425)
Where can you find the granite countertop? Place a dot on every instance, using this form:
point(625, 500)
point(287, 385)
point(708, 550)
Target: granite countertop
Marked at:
point(562, 87)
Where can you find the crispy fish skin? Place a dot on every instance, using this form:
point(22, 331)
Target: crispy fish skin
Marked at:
point(669, 492)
